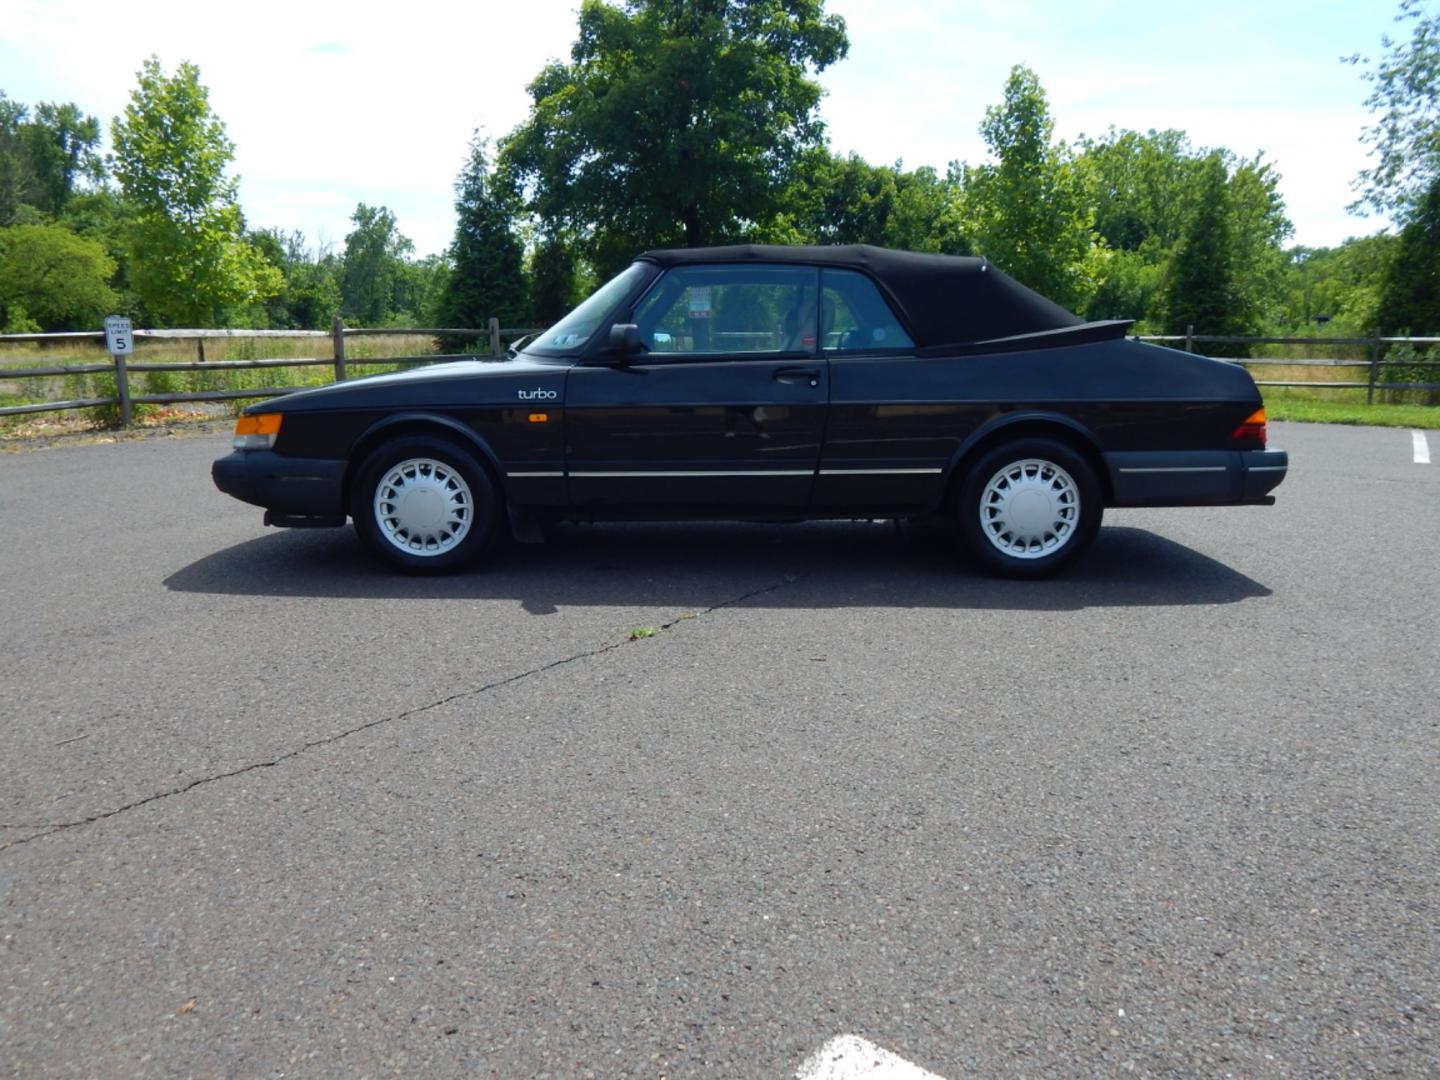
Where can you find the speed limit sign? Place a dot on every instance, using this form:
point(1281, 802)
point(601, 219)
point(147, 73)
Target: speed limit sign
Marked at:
point(119, 338)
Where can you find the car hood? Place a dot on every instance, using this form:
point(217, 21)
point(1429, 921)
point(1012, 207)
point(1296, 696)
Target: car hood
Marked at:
point(456, 382)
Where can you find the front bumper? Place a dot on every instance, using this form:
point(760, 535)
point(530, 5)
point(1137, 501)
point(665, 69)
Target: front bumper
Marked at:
point(288, 486)
point(1195, 477)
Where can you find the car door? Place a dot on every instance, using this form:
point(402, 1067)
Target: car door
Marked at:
point(895, 419)
point(723, 410)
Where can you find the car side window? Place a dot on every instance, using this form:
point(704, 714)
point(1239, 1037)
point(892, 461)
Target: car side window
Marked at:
point(863, 321)
point(731, 309)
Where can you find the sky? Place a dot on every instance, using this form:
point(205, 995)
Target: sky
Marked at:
point(332, 104)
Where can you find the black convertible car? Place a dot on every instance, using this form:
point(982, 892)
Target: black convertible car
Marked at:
point(771, 383)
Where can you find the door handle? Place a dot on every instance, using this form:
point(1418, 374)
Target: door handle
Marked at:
point(795, 375)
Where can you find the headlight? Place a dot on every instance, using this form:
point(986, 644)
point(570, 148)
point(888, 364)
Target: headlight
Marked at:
point(257, 432)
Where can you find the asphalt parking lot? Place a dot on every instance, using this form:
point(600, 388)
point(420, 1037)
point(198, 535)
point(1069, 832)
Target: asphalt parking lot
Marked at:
point(266, 810)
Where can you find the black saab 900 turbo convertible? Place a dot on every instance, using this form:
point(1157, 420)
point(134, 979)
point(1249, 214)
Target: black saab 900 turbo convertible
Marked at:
point(771, 383)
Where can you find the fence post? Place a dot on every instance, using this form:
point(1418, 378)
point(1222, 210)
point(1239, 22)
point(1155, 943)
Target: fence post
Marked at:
point(1190, 338)
point(122, 390)
point(495, 338)
point(1374, 370)
point(337, 328)
point(200, 348)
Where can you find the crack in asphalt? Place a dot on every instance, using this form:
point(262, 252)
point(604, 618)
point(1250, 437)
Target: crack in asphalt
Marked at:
point(51, 828)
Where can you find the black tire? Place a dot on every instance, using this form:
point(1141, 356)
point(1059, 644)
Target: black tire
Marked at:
point(1029, 507)
point(424, 505)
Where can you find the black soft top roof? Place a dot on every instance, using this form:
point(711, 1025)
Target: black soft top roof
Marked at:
point(944, 299)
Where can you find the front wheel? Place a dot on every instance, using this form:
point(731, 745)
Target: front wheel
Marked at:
point(1030, 507)
point(424, 505)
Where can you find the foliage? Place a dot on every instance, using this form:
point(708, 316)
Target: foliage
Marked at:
point(488, 278)
point(676, 121)
point(190, 262)
point(1410, 288)
point(52, 279)
point(1336, 290)
point(309, 297)
point(1405, 138)
point(554, 279)
point(374, 266)
point(1200, 287)
point(1028, 213)
point(64, 148)
point(846, 200)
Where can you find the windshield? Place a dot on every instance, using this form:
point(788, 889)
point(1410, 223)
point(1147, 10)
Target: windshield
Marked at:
point(575, 329)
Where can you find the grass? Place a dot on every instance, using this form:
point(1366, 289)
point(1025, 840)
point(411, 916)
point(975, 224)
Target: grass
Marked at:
point(638, 632)
point(1344, 407)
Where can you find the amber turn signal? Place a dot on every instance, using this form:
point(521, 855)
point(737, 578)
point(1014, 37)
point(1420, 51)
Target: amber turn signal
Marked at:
point(539, 418)
point(1251, 433)
point(257, 432)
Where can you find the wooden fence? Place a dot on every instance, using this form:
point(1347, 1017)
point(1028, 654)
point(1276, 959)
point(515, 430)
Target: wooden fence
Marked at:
point(1374, 365)
point(122, 367)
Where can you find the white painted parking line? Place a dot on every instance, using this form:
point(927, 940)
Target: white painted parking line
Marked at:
point(1422, 448)
point(849, 1057)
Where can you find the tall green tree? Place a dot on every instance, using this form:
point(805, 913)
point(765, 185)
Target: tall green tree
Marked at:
point(1028, 212)
point(676, 121)
point(1410, 288)
point(18, 182)
point(64, 149)
point(191, 263)
point(374, 266)
point(487, 278)
point(554, 279)
point(51, 279)
point(1200, 290)
point(1404, 140)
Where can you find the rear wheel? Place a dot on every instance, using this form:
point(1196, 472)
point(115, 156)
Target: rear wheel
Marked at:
point(1030, 507)
point(424, 505)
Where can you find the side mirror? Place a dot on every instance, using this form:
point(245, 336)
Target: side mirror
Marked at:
point(625, 339)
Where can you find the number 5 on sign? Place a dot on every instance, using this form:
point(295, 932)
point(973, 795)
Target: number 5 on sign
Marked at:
point(119, 340)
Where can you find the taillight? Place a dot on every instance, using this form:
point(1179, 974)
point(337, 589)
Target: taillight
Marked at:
point(1250, 435)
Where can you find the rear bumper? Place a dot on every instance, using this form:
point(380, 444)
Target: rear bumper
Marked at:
point(304, 487)
point(1195, 477)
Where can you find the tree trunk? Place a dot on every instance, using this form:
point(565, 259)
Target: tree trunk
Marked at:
point(691, 216)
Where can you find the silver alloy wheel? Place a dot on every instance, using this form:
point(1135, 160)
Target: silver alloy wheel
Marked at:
point(423, 506)
point(1030, 509)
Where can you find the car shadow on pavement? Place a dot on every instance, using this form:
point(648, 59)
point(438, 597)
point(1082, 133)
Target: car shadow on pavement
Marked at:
point(691, 566)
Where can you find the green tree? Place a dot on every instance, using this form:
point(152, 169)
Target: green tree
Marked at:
point(64, 148)
point(18, 182)
point(846, 200)
point(1029, 213)
point(1405, 138)
point(1337, 290)
point(554, 279)
point(190, 261)
point(374, 266)
point(52, 279)
point(309, 298)
point(1200, 289)
point(487, 278)
point(676, 121)
point(1409, 301)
